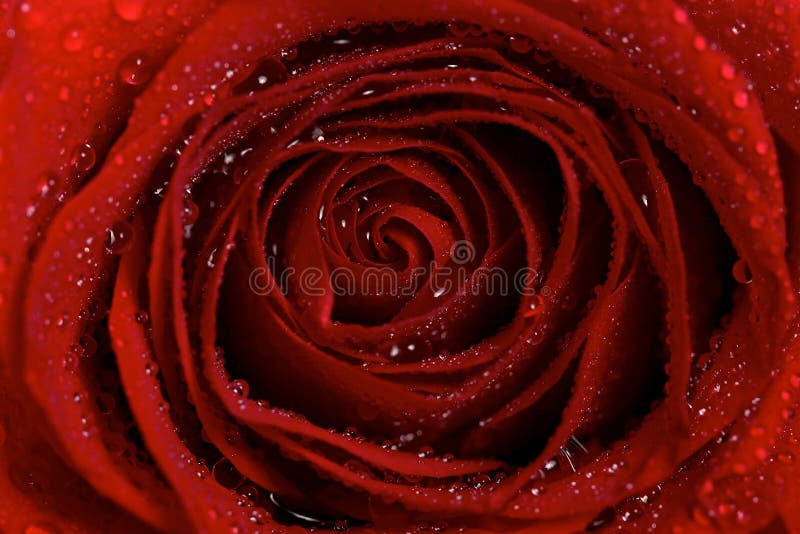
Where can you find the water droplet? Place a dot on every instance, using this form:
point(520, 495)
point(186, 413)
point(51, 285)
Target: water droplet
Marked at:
point(727, 71)
point(715, 341)
point(740, 99)
point(680, 16)
point(88, 345)
point(73, 39)
point(120, 238)
point(232, 434)
point(211, 262)
point(317, 134)
point(105, 403)
point(400, 26)
point(520, 44)
point(151, 368)
point(135, 69)
point(535, 306)
point(257, 516)
point(735, 134)
point(240, 388)
point(700, 43)
point(202, 470)
point(130, 10)
point(83, 157)
point(248, 492)
point(603, 519)
point(741, 272)
point(762, 147)
point(190, 211)
point(458, 28)
point(425, 452)
point(68, 362)
point(226, 474)
point(45, 183)
point(289, 54)
point(268, 72)
point(794, 380)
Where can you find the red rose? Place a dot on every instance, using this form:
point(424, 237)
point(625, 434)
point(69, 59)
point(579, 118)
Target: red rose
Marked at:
point(399, 266)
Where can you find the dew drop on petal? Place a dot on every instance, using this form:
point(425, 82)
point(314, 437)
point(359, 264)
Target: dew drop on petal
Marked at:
point(289, 54)
point(226, 474)
point(735, 134)
point(240, 388)
point(88, 345)
point(105, 403)
point(520, 44)
point(120, 238)
point(727, 71)
point(130, 10)
point(83, 157)
point(534, 307)
point(190, 211)
point(248, 492)
point(700, 43)
point(741, 272)
point(399, 26)
point(794, 380)
point(45, 183)
point(73, 39)
point(740, 99)
point(134, 69)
